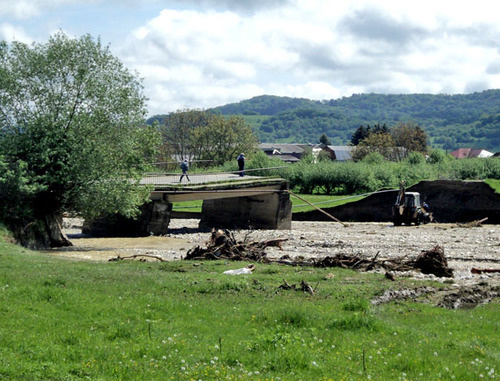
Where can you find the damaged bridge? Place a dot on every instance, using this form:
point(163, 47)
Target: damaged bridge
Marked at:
point(229, 201)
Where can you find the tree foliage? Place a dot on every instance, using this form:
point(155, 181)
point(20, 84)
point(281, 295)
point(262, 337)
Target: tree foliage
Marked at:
point(410, 136)
point(221, 139)
point(72, 137)
point(177, 130)
point(323, 139)
point(383, 143)
point(202, 135)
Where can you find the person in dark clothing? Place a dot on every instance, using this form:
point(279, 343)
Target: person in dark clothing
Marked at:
point(184, 169)
point(426, 207)
point(241, 164)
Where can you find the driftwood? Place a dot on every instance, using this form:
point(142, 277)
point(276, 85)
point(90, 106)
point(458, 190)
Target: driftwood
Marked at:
point(120, 258)
point(345, 261)
point(473, 224)
point(433, 262)
point(223, 245)
point(480, 271)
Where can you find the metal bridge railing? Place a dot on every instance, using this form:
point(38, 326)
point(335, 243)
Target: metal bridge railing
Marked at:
point(197, 176)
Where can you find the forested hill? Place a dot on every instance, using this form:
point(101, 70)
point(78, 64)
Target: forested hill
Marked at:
point(451, 121)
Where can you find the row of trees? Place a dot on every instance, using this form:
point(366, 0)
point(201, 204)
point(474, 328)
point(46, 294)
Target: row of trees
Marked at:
point(374, 172)
point(201, 135)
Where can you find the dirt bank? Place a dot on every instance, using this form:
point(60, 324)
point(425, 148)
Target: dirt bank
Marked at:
point(450, 201)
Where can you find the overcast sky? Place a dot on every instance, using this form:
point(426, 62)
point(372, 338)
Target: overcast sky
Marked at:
point(206, 53)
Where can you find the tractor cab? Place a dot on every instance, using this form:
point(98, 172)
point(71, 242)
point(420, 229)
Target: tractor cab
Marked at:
point(408, 209)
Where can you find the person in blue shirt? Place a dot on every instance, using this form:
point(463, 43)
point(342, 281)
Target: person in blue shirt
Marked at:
point(184, 169)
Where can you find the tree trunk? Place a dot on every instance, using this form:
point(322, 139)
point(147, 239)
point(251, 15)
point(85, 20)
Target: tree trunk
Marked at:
point(42, 233)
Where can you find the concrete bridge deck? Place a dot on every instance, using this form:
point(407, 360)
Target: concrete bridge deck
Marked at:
point(210, 187)
point(195, 179)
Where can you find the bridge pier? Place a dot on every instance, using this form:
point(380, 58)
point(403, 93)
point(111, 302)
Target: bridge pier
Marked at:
point(153, 219)
point(264, 211)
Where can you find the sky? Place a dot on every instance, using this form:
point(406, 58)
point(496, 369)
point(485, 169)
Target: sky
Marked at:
point(199, 54)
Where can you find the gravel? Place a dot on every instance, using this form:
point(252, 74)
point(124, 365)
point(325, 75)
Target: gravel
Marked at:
point(464, 248)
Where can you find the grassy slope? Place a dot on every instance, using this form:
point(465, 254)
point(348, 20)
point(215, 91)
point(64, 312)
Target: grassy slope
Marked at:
point(495, 184)
point(65, 319)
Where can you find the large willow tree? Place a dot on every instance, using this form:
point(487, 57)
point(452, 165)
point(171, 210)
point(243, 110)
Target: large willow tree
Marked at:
point(72, 137)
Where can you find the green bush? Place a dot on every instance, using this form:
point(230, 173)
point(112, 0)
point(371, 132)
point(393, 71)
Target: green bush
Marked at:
point(374, 158)
point(415, 158)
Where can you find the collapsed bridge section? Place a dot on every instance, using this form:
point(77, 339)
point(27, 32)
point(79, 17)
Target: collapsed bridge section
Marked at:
point(253, 203)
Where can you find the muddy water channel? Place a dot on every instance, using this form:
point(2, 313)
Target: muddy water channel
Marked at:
point(103, 249)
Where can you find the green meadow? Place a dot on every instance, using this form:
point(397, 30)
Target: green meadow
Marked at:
point(64, 319)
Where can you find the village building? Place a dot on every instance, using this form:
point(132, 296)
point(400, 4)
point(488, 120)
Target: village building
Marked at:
point(464, 153)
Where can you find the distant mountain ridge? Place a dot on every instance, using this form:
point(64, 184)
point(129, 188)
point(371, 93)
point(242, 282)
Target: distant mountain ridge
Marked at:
point(451, 121)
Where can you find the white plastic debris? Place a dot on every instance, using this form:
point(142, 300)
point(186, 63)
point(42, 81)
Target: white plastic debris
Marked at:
point(242, 271)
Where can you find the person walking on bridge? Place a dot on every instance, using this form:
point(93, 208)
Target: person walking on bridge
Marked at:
point(184, 169)
point(241, 164)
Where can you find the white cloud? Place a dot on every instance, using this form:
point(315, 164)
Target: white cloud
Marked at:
point(26, 9)
point(11, 33)
point(204, 53)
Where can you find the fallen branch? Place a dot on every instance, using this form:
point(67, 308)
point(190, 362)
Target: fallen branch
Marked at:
point(321, 210)
point(472, 224)
point(120, 258)
point(480, 271)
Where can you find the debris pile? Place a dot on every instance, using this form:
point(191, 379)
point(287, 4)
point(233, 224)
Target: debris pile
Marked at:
point(304, 287)
point(434, 262)
point(352, 262)
point(223, 245)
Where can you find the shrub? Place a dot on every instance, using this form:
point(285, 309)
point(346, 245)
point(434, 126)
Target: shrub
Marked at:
point(374, 158)
point(415, 158)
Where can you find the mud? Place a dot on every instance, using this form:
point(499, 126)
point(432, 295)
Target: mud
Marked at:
point(460, 298)
point(102, 249)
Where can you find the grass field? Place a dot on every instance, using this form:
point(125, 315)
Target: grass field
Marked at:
point(322, 201)
point(495, 184)
point(63, 319)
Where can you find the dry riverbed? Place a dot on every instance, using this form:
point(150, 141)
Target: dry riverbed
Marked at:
point(465, 248)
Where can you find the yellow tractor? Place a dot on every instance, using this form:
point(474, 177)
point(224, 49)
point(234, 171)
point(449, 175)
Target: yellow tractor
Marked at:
point(408, 209)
